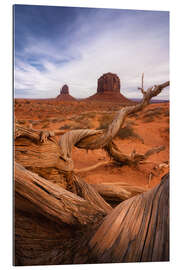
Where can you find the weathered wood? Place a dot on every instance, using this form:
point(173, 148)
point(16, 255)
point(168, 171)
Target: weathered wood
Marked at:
point(53, 201)
point(137, 230)
point(118, 191)
point(89, 193)
point(132, 159)
point(93, 167)
point(52, 223)
point(88, 139)
point(61, 156)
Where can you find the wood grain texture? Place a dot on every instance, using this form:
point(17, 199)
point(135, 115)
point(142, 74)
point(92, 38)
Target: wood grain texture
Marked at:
point(48, 232)
point(137, 230)
point(53, 201)
point(118, 191)
point(50, 222)
point(59, 219)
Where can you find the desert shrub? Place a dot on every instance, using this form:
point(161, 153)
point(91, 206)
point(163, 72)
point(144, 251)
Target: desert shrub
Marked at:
point(103, 125)
point(105, 120)
point(40, 116)
point(35, 123)
point(55, 120)
point(166, 113)
point(166, 130)
point(128, 132)
point(148, 119)
point(130, 122)
point(90, 114)
point(21, 122)
point(65, 127)
point(78, 126)
point(133, 115)
point(154, 112)
point(82, 124)
point(46, 125)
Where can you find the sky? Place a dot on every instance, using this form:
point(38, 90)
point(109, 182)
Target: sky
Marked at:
point(54, 46)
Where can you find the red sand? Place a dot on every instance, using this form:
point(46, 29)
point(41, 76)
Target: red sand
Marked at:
point(53, 114)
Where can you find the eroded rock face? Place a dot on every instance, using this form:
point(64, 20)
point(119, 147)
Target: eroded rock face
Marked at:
point(64, 94)
point(64, 89)
point(108, 82)
point(108, 90)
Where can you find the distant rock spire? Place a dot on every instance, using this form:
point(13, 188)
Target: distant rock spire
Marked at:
point(64, 89)
point(64, 94)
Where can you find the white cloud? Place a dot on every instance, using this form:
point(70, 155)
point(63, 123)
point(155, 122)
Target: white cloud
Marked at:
point(127, 51)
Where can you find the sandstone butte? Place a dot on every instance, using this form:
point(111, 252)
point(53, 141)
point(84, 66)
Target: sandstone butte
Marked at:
point(108, 89)
point(64, 94)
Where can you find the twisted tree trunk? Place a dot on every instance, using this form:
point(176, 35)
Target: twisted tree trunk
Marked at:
point(50, 228)
point(56, 213)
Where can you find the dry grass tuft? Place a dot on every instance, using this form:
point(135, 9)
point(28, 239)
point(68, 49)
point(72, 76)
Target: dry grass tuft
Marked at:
point(128, 132)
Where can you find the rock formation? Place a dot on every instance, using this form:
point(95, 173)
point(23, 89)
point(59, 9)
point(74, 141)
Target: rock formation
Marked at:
point(64, 94)
point(64, 89)
point(108, 82)
point(108, 89)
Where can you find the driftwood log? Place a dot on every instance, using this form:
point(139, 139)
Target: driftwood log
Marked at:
point(57, 213)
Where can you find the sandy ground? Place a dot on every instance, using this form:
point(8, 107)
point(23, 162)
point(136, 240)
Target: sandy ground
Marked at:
point(151, 129)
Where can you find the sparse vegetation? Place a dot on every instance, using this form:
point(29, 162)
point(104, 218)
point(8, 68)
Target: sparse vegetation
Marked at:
point(105, 120)
point(148, 119)
point(154, 112)
point(42, 164)
point(166, 114)
point(21, 122)
point(128, 132)
point(65, 127)
point(46, 125)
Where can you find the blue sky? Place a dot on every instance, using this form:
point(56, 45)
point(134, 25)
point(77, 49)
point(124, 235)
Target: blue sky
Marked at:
point(75, 46)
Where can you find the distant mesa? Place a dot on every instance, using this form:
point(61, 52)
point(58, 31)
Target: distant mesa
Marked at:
point(108, 82)
point(64, 94)
point(108, 89)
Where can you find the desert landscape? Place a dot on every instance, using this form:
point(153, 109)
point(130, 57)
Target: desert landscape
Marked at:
point(91, 135)
point(91, 177)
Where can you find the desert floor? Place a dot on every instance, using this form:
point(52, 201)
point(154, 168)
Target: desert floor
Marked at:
point(141, 132)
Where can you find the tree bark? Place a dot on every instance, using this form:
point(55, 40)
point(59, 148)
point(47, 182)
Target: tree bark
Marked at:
point(57, 203)
point(118, 192)
point(137, 230)
point(54, 225)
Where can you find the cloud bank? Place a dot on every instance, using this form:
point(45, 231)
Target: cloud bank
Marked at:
point(55, 45)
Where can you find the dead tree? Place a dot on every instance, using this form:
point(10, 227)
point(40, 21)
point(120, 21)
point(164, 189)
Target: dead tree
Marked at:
point(48, 190)
point(135, 231)
point(55, 226)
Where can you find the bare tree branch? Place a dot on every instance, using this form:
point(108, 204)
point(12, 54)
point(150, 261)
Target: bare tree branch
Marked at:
point(57, 203)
